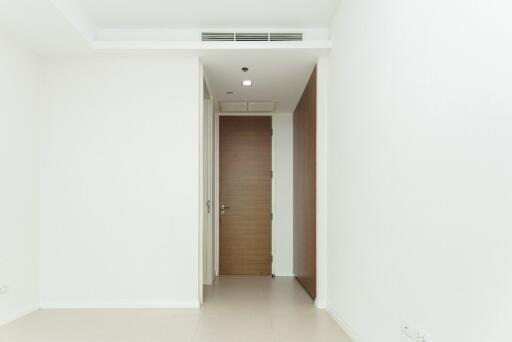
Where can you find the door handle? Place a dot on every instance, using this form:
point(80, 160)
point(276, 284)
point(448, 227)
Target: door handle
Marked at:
point(223, 208)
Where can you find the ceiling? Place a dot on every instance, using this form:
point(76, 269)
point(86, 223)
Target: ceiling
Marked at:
point(279, 72)
point(40, 26)
point(173, 14)
point(91, 27)
point(277, 75)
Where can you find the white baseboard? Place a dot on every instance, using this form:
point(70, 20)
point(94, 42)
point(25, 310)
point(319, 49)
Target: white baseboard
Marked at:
point(17, 315)
point(343, 324)
point(122, 305)
point(284, 274)
point(320, 304)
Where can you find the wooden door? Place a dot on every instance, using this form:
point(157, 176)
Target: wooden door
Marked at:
point(245, 164)
point(304, 184)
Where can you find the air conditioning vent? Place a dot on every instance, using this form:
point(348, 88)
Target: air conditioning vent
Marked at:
point(285, 37)
point(233, 106)
point(261, 106)
point(250, 37)
point(218, 36)
point(247, 106)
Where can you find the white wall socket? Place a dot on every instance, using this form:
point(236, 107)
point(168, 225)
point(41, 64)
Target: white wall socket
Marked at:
point(4, 289)
point(414, 333)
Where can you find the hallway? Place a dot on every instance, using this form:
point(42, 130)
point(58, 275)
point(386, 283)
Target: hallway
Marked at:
point(236, 308)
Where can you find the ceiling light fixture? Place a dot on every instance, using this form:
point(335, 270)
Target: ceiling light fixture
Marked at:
point(247, 83)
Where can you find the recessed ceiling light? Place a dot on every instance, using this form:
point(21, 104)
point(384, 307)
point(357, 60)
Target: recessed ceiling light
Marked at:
point(247, 83)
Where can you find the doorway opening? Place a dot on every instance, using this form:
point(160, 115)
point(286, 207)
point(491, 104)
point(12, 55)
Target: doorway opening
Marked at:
point(260, 214)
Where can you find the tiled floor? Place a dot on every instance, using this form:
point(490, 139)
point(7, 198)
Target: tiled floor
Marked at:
point(236, 309)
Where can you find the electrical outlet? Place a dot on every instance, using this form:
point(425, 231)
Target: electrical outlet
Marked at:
point(414, 333)
point(4, 289)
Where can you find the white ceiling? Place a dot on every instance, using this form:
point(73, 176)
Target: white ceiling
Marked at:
point(173, 14)
point(74, 27)
point(279, 72)
point(41, 26)
point(277, 75)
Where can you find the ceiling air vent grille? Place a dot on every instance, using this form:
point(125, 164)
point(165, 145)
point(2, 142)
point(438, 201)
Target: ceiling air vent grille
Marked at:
point(247, 106)
point(285, 37)
point(250, 37)
point(217, 36)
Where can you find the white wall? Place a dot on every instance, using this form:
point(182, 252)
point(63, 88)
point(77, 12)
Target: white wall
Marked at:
point(120, 182)
point(283, 180)
point(420, 169)
point(19, 184)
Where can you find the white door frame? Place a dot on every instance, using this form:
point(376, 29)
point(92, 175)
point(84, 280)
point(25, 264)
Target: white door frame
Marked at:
point(208, 257)
point(204, 153)
point(200, 241)
point(216, 224)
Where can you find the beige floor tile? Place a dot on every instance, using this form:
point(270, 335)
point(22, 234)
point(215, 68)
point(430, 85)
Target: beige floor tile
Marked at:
point(236, 309)
point(307, 327)
point(234, 328)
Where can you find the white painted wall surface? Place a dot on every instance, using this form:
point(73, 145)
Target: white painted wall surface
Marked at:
point(19, 179)
point(420, 165)
point(283, 180)
point(119, 182)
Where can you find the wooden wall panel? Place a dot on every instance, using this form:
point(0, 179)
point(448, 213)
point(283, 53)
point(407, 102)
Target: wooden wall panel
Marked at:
point(304, 183)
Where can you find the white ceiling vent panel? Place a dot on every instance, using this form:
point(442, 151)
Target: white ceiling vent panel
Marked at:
point(247, 106)
point(261, 106)
point(218, 36)
point(250, 37)
point(233, 106)
point(285, 37)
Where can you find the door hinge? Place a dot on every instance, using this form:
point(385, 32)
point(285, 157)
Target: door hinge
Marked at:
point(271, 174)
point(271, 132)
point(271, 258)
point(271, 216)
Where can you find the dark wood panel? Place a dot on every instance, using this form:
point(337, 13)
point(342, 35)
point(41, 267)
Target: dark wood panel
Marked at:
point(245, 164)
point(304, 182)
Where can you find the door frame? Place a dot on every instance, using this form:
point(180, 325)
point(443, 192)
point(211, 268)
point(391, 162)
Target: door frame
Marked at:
point(208, 268)
point(216, 182)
